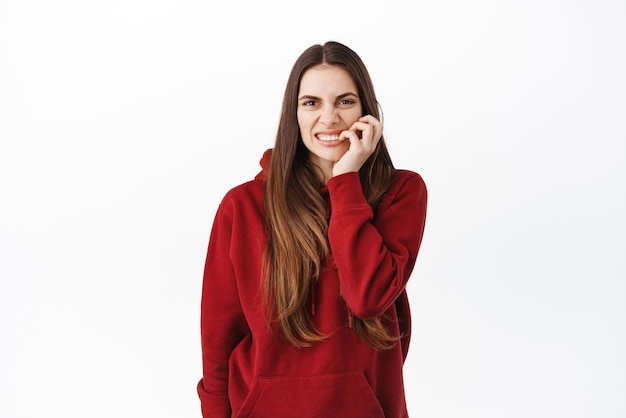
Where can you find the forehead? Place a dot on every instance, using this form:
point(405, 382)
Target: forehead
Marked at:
point(326, 80)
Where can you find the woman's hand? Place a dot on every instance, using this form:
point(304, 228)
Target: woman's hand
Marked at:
point(361, 147)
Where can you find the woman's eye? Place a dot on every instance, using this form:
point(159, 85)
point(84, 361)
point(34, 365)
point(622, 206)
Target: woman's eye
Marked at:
point(346, 102)
point(309, 103)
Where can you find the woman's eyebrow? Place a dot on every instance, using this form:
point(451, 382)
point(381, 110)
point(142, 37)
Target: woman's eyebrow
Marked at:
point(309, 97)
point(341, 96)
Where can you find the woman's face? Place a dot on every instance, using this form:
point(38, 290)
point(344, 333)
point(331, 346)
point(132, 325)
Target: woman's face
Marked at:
point(328, 103)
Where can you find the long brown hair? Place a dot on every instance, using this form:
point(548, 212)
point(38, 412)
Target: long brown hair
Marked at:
point(297, 215)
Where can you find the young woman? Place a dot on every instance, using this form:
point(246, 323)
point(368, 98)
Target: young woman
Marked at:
point(304, 309)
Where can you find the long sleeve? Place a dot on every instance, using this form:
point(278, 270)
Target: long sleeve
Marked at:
point(223, 323)
point(375, 256)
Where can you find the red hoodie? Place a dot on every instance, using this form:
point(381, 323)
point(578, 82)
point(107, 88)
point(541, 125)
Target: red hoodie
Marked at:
point(249, 369)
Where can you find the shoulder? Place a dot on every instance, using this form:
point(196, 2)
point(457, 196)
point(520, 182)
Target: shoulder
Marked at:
point(407, 179)
point(244, 197)
point(407, 187)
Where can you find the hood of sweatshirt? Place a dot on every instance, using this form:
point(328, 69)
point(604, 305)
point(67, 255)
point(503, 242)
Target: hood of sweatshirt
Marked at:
point(265, 161)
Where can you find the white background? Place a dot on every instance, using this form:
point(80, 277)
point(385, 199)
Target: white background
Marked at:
point(123, 123)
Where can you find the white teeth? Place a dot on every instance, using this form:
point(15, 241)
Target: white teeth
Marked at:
point(328, 137)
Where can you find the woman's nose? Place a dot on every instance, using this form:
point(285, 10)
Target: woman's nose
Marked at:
point(329, 116)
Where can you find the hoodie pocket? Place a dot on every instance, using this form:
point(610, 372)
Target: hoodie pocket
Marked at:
point(337, 395)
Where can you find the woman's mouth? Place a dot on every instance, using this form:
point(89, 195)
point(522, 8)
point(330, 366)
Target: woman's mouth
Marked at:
point(327, 138)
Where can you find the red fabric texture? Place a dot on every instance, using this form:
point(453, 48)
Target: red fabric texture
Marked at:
point(249, 370)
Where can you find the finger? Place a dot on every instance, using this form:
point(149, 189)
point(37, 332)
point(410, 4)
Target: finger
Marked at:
point(362, 126)
point(351, 136)
point(378, 126)
point(370, 119)
point(369, 135)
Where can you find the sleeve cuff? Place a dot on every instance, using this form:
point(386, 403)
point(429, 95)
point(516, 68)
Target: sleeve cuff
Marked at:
point(345, 191)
